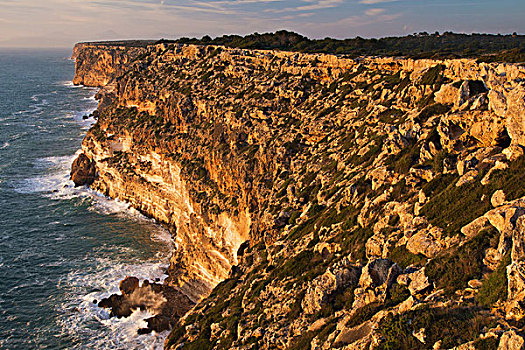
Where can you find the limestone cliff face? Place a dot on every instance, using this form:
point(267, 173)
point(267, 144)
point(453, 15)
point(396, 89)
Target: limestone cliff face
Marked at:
point(97, 65)
point(371, 192)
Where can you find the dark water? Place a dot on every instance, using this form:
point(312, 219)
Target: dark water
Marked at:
point(61, 247)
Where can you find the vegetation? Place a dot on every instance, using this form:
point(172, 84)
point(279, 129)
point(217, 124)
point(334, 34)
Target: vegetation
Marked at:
point(452, 326)
point(495, 287)
point(488, 47)
point(404, 258)
point(456, 267)
point(447, 202)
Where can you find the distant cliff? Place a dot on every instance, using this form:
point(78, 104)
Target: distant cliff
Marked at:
point(321, 202)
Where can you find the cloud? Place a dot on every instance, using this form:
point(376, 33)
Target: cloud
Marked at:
point(374, 12)
point(314, 5)
point(372, 2)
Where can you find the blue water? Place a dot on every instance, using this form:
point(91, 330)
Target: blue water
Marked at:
point(61, 247)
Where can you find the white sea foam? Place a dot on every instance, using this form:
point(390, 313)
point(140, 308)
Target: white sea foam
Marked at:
point(5, 145)
point(54, 183)
point(81, 319)
point(68, 83)
point(84, 319)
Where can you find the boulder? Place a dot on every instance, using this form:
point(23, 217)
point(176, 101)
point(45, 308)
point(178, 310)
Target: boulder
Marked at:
point(518, 240)
point(418, 282)
point(376, 278)
point(128, 285)
point(472, 229)
point(515, 308)
point(83, 170)
point(339, 277)
point(498, 198)
point(379, 272)
point(515, 116)
point(510, 340)
point(497, 103)
point(448, 94)
point(428, 242)
point(513, 152)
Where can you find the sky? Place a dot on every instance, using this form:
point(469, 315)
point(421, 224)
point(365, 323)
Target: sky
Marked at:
point(61, 23)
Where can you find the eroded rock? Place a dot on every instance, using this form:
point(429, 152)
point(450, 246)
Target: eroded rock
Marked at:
point(83, 170)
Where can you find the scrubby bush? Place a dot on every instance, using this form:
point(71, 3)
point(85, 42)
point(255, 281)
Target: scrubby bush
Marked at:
point(495, 286)
point(452, 270)
point(453, 326)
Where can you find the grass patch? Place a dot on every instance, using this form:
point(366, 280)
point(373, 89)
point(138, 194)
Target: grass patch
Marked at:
point(459, 265)
point(495, 286)
point(453, 327)
point(405, 258)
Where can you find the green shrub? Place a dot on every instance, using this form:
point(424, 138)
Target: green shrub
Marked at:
point(404, 258)
point(453, 326)
point(447, 205)
point(404, 160)
point(452, 270)
point(397, 294)
point(364, 314)
point(495, 286)
point(433, 75)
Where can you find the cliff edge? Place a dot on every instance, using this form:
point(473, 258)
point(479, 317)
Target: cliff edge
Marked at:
point(318, 201)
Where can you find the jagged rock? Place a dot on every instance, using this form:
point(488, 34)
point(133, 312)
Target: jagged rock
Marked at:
point(448, 94)
point(353, 335)
point(418, 281)
point(408, 304)
point(463, 94)
point(472, 229)
point(128, 285)
point(320, 288)
point(518, 240)
point(511, 340)
point(476, 284)
point(165, 302)
point(427, 242)
point(515, 308)
point(513, 152)
point(376, 278)
point(156, 323)
point(515, 116)
point(427, 174)
point(504, 217)
point(467, 178)
point(379, 272)
point(382, 176)
point(420, 335)
point(83, 170)
point(497, 103)
point(498, 198)
point(497, 166)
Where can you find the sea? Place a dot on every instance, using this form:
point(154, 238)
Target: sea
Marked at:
point(62, 248)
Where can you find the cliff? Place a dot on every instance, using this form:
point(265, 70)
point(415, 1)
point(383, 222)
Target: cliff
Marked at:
point(318, 201)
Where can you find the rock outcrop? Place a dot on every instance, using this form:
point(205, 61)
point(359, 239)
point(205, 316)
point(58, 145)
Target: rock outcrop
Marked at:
point(319, 201)
point(83, 170)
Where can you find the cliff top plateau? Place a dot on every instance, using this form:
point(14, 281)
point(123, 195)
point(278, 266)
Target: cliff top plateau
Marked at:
point(484, 47)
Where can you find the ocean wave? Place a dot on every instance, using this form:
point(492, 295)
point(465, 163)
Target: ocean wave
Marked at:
point(84, 321)
point(56, 184)
point(5, 145)
point(68, 83)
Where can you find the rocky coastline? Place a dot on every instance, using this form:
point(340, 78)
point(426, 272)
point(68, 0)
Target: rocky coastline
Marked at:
point(316, 201)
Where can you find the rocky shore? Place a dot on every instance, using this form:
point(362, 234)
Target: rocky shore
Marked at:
point(316, 201)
